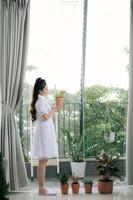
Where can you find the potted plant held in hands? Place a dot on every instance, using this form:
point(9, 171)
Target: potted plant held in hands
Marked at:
point(107, 168)
point(59, 98)
point(63, 178)
point(75, 143)
point(88, 185)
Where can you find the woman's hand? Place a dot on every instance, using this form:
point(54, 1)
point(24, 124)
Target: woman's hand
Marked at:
point(50, 113)
point(55, 107)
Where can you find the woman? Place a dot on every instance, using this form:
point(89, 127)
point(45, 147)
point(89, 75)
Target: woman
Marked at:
point(44, 142)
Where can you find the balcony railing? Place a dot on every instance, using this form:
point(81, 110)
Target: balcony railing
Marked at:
point(104, 128)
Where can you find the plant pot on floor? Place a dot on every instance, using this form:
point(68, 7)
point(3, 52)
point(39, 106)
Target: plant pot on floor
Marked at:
point(75, 184)
point(88, 185)
point(63, 178)
point(75, 143)
point(107, 167)
point(75, 188)
point(64, 188)
point(88, 188)
point(105, 187)
point(78, 168)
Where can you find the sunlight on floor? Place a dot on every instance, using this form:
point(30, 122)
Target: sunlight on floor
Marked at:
point(120, 193)
point(30, 192)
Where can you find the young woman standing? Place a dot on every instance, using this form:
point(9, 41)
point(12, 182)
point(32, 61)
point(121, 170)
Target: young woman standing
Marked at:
point(44, 140)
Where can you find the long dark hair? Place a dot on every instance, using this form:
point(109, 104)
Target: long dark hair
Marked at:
point(39, 85)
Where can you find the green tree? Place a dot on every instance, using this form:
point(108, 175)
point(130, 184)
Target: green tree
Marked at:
point(105, 112)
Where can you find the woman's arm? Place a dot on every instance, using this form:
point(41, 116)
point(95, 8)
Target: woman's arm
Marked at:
point(49, 114)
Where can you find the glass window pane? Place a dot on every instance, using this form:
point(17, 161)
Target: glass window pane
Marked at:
point(106, 77)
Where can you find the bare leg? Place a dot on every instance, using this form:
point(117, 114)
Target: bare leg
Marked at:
point(41, 175)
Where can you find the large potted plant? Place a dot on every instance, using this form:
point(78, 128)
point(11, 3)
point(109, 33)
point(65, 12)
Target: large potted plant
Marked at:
point(75, 143)
point(4, 186)
point(107, 167)
point(63, 178)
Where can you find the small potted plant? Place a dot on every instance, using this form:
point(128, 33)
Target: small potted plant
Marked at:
point(75, 184)
point(88, 185)
point(4, 186)
point(107, 168)
point(63, 178)
point(59, 98)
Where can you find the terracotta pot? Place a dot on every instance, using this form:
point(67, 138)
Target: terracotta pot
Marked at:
point(105, 187)
point(64, 188)
point(75, 188)
point(88, 188)
point(59, 101)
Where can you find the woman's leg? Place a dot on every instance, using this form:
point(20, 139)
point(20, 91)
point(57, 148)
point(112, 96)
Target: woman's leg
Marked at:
point(41, 174)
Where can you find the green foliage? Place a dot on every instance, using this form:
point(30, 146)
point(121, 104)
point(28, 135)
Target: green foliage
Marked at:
point(26, 158)
point(23, 121)
point(96, 93)
point(72, 98)
point(75, 179)
point(108, 166)
point(63, 178)
point(60, 93)
point(105, 112)
point(4, 187)
point(75, 142)
point(87, 181)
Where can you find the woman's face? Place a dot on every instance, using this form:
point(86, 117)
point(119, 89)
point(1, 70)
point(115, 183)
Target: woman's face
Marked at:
point(45, 91)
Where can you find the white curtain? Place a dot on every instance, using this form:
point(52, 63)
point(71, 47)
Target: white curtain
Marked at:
point(129, 149)
point(14, 28)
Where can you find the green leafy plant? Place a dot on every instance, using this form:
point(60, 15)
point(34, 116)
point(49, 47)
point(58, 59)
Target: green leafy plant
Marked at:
point(26, 158)
point(75, 179)
point(60, 94)
point(75, 142)
point(88, 184)
point(4, 186)
point(107, 166)
point(87, 181)
point(63, 178)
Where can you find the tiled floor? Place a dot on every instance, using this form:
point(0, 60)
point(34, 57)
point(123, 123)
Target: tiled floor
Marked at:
point(120, 193)
point(30, 193)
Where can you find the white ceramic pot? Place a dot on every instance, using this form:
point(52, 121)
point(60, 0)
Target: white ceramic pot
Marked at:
point(78, 169)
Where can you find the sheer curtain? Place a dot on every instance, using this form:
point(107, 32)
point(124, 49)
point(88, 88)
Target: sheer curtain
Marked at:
point(14, 25)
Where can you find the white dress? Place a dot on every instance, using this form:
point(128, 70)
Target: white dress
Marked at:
point(44, 138)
